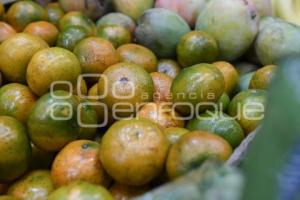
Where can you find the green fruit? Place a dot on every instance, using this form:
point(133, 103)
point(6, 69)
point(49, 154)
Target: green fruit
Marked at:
point(22, 13)
point(169, 67)
point(77, 19)
point(223, 102)
point(233, 23)
point(160, 30)
point(263, 77)
point(133, 8)
point(53, 121)
point(88, 120)
point(34, 186)
point(54, 12)
point(197, 47)
point(117, 19)
point(277, 40)
point(15, 150)
point(173, 134)
point(221, 124)
point(117, 35)
point(41, 159)
point(83, 191)
point(248, 109)
point(15, 54)
point(70, 36)
point(198, 87)
point(245, 82)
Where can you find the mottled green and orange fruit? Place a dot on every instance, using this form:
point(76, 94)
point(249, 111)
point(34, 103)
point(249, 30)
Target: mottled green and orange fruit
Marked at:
point(96, 55)
point(143, 147)
point(133, 8)
point(125, 87)
point(262, 78)
point(77, 19)
point(124, 192)
point(230, 74)
point(139, 55)
point(117, 19)
point(36, 185)
point(71, 36)
point(22, 13)
point(6, 31)
point(82, 190)
point(102, 114)
point(15, 54)
point(117, 35)
point(197, 87)
point(54, 13)
point(174, 134)
point(169, 67)
point(15, 150)
point(44, 30)
point(193, 149)
point(197, 47)
point(50, 65)
point(79, 161)
point(52, 123)
point(162, 114)
point(248, 107)
point(162, 87)
point(16, 100)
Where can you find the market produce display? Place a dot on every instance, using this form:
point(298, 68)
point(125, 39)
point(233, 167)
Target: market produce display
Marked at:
point(111, 99)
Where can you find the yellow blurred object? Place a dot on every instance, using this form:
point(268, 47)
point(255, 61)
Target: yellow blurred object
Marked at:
point(287, 9)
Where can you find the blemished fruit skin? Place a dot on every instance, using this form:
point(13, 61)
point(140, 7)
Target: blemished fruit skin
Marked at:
point(133, 151)
point(248, 108)
point(137, 54)
point(22, 13)
point(193, 149)
point(160, 30)
point(234, 31)
point(54, 13)
point(44, 30)
point(36, 185)
point(96, 55)
point(127, 86)
point(276, 40)
point(162, 114)
point(71, 36)
point(83, 191)
point(162, 87)
point(50, 65)
point(230, 74)
point(174, 133)
point(197, 86)
point(52, 122)
point(75, 18)
point(188, 9)
point(221, 124)
point(118, 19)
point(197, 47)
point(262, 78)
point(16, 53)
point(133, 8)
point(6, 31)
point(16, 100)
point(117, 35)
point(169, 67)
point(15, 149)
point(66, 168)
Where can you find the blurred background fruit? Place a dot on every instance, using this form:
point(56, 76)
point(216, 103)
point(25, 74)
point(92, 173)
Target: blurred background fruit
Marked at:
point(117, 35)
point(160, 30)
point(6, 31)
point(54, 13)
point(22, 13)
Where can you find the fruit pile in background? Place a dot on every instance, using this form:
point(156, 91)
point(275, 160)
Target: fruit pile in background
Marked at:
point(175, 83)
